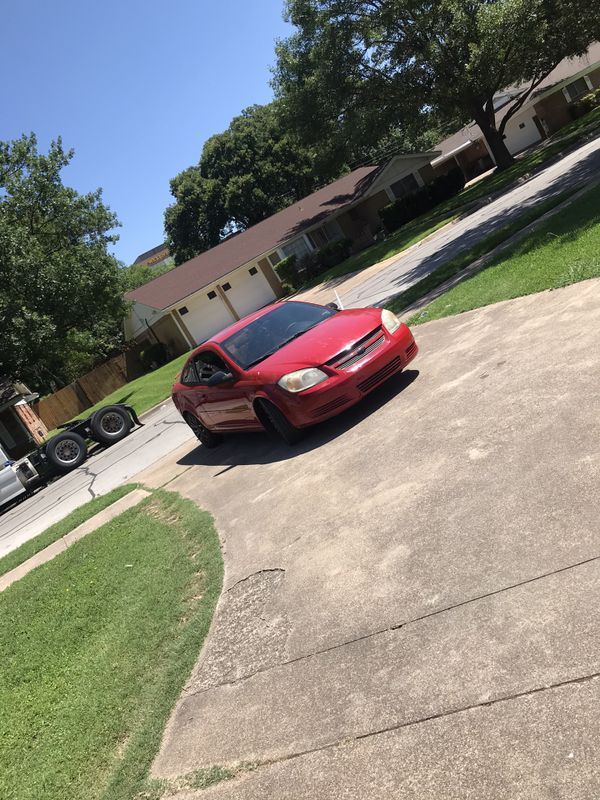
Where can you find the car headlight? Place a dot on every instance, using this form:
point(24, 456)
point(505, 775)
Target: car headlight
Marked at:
point(302, 379)
point(390, 321)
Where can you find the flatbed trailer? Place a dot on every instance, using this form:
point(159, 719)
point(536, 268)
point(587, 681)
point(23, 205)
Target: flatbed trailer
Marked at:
point(65, 451)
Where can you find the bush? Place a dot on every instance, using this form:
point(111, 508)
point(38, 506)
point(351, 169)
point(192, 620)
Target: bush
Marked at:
point(586, 103)
point(287, 272)
point(333, 253)
point(424, 199)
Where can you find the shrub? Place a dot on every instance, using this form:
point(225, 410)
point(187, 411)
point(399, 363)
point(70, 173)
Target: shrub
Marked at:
point(287, 272)
point(333, 253)
point(424, 199)
point(586, 103)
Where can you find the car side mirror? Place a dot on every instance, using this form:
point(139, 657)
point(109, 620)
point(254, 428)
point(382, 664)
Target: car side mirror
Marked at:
point(334, 306)
point(219, 377)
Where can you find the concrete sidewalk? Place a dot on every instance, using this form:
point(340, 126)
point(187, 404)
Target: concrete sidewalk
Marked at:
point(409, 600)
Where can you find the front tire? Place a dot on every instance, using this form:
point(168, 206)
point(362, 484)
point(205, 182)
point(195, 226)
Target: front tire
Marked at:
point(206, 437)
point(276, 422)
point(66, 451)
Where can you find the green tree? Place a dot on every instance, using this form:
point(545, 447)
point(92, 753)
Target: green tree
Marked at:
point(245, 174)
point(61, 306)
point(355, 65)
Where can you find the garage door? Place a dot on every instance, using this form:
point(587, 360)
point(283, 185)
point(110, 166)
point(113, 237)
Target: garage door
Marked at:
point(249, 291)
point(206, 316)
point(521, 133)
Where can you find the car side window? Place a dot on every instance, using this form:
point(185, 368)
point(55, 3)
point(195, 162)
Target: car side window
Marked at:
point(189, 376)
point(207, 363)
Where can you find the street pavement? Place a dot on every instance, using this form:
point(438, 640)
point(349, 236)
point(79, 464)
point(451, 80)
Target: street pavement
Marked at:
point(163, 431)
point(410, 594)
point(576, 169)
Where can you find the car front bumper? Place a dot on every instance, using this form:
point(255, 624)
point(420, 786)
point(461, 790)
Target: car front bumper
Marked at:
point(345, 387)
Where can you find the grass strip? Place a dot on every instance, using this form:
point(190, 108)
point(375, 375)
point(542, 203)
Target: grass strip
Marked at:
point(561, 251)
point(468, 256)
point(61, 528)
point(96, 647)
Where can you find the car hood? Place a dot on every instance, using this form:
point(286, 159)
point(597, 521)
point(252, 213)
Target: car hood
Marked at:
point(321, 343)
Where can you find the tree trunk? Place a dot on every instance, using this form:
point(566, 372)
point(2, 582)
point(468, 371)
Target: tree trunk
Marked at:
point(494, 140)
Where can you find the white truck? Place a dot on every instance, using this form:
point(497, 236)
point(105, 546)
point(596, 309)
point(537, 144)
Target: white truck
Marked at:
point(11, 483)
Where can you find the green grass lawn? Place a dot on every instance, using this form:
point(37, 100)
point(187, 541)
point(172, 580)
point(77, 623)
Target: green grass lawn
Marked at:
point(564, 250)
point(60, 529)
point(96, 646)
point(418, 229)
point(468, 256)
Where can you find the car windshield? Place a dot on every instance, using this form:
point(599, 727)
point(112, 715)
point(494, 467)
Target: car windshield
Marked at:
point(264, 336)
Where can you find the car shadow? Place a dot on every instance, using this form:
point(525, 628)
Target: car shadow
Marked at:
point(240, 449)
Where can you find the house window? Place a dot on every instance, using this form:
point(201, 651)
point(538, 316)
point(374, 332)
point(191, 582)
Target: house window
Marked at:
point(274, 258)
point(226, 287)
point(183, 310)
point(297, 247)
point(405, 186)
point(252, 270)
point(318, 238)
point(333, 231)
point(576, 89)
point(521, 125)
point(211, 295)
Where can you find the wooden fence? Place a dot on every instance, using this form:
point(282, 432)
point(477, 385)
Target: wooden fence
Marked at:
point(83, 393)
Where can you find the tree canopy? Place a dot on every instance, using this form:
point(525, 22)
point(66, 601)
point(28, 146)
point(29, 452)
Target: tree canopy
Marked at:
point(353, 66)
point(61, 306)
point(245, 174)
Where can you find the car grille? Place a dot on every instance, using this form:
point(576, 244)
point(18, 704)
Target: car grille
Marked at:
point(357, 351)
point(380, 375)
point(410, 350)
point(326, 408)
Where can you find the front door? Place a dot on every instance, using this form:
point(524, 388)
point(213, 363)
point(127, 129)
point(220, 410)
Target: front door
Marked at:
point(229, 404)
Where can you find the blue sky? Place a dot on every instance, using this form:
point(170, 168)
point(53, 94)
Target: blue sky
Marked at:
point(135, 87)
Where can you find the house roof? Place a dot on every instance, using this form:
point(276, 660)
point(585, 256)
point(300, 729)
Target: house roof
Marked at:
point(149, 253)
point(261, 238)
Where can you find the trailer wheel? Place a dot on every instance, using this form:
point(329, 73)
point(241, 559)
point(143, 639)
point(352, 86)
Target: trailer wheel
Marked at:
point(66, 451)
point(110, 424)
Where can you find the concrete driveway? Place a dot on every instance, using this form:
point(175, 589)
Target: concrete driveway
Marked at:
point(163, 432)
point(411, 595)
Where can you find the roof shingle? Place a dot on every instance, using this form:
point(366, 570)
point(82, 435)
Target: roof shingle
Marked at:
point(261, 238)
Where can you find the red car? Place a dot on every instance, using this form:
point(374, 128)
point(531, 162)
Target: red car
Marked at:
point(289, 366)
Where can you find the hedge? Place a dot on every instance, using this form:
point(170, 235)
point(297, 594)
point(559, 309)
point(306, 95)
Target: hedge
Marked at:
point(413, 205)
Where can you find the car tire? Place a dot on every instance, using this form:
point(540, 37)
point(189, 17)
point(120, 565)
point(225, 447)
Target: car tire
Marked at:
point(207, 438)
point(276, 422)
point(66, 451)
point(110, 424)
